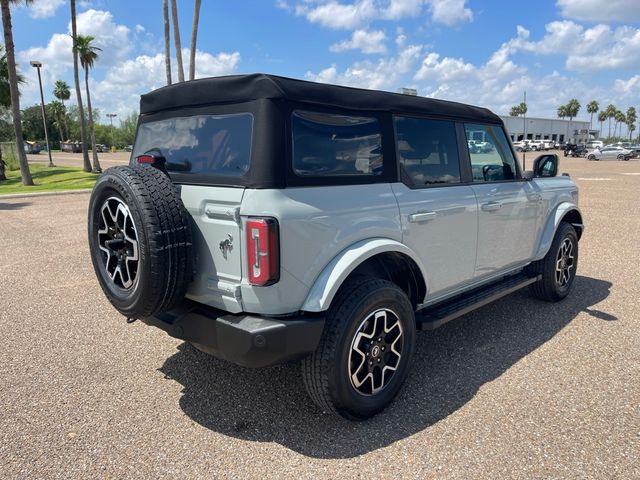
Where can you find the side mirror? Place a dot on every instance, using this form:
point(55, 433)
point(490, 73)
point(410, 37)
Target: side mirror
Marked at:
point(546, 166)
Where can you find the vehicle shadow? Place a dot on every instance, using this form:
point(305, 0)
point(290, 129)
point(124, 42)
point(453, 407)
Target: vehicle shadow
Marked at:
point(450, 365)
point(14, 206)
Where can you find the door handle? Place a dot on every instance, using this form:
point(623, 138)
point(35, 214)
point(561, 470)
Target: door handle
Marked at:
point(535, 197)
point(422, 217)
point(491, 206)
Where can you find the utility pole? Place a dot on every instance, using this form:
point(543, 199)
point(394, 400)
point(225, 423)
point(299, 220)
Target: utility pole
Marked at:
point(111, 116)
point(37, 65)
point(524, 132)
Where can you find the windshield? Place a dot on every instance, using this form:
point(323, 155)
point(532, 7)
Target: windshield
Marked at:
point(199, 144)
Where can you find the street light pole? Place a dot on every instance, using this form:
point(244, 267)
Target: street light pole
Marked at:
point(111, 117)
point(38, 65)
point(524, 133)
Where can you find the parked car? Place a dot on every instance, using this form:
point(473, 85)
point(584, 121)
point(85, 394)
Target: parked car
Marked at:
point(635, 151)
point(536, 145)
point(521, 146)
point(321, 227)
point(609, 153)
point(593, 144)
point(548, 145)
point(101, 148)
point(128, 148)
point(573, 150)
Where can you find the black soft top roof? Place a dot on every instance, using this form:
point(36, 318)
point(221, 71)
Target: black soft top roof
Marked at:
point(244, 88)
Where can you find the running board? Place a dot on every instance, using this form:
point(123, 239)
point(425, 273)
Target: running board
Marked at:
point(432, 317)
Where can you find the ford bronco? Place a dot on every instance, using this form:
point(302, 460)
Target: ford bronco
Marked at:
point(265, 219)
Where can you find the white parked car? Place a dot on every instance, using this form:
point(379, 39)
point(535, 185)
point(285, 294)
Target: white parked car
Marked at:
point(593, 144)
point(609, 153)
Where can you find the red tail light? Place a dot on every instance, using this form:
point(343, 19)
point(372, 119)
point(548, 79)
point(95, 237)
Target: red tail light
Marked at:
point(146, 159)
point(263, 251)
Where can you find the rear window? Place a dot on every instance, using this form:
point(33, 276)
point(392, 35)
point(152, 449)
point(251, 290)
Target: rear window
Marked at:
point(336, 145)
point(199, 144)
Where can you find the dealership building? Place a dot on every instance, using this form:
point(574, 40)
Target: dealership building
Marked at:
point(556, 129)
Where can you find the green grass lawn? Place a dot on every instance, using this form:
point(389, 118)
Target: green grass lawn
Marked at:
point(48, 179)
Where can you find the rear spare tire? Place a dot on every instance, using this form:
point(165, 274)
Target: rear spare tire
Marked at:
point(140, 240)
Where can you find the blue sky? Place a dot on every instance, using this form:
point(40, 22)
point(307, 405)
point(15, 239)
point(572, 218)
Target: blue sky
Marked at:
point(485, 53)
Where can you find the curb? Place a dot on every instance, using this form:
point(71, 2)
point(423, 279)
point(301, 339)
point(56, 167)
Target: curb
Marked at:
point(46, 194)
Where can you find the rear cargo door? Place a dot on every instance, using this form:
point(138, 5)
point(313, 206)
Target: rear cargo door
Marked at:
point(217, 245)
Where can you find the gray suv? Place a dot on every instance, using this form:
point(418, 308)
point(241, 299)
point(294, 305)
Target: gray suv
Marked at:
point(265, 219)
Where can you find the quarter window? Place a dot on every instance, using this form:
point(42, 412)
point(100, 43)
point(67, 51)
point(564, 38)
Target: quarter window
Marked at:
point(491, 157)
point(336, 145)
point(427, 151)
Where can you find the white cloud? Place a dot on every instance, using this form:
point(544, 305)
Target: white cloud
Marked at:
point(44, 8)
point(123, 84)
point(367, 42)
point(630, 87)
point(450, 12)
point(383, 74)
point(359, 13)
point(600, 10)
point(113, 39)
point(587, 49)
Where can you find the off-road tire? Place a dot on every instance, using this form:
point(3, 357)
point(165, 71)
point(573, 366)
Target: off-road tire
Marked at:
point(326, 372)
point(163, 227)
point(547, 288)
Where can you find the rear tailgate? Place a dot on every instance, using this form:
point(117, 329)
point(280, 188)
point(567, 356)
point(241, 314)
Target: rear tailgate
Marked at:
point(217, 244)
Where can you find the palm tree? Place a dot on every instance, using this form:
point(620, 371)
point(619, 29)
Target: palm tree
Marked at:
point(58, 112)
point(620, 119)
point(631, 119)
point(194, 36)
point(517, 110)
point(61, 92)
point(176, 37)
point(562, 111)
point(573, 107)
point(14, 93)
point(167, 40)
point(602, 116)
point(592, 107)
point(611, 112)
point(5, 96)
point(86, 164)
point(88, 54)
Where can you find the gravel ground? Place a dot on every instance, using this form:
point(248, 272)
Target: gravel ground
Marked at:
point(518, 389)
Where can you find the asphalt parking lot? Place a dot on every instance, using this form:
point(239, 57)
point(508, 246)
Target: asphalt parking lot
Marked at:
point(517, 389)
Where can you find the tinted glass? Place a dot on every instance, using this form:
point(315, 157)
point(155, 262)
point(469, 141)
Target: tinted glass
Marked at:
point(427, 150)
point(491, 157)
point(205, 144)
point(336, 145)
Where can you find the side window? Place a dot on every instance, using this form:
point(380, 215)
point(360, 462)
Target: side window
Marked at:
point(335, 145)
point(491, 157)
point(427, 150)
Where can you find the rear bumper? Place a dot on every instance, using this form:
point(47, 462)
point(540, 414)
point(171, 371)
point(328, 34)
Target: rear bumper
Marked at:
point(248, 340)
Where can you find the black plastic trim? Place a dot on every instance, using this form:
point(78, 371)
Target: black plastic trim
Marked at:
point(247, 340)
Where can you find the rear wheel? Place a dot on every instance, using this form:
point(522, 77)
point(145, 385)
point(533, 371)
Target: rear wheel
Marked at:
point(365, 351)
point(558, 267)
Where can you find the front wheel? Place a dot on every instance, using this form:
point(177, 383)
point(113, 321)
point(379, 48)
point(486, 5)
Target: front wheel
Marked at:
point(365, 351)
point(591, 157)
point(558, 267)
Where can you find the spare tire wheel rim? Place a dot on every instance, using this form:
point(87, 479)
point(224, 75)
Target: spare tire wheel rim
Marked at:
point(376, 351)
point(118, 242)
